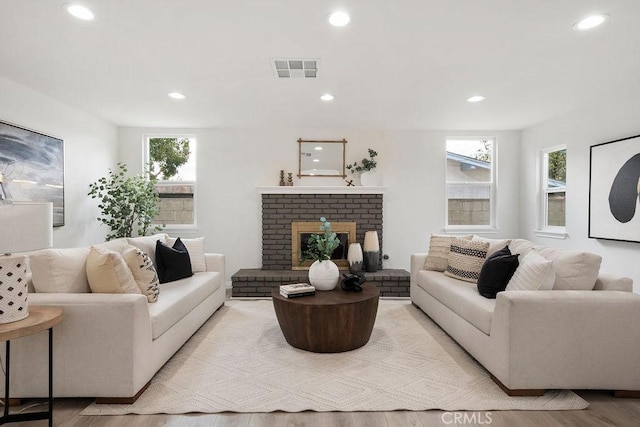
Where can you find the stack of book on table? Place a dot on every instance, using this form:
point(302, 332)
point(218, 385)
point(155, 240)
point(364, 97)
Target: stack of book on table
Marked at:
point(297, 290)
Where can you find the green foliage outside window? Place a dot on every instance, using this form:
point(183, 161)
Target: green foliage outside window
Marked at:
point(166, 155)
point(558, 165)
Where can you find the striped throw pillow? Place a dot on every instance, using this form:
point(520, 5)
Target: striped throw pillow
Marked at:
point(466, 258)
point(438, 257)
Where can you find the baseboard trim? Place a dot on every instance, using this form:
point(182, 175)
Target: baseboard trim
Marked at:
point(518, 392)
point(122, 400)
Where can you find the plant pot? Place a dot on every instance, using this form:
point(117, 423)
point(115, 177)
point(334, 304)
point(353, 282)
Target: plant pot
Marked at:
point(324, 275)
point(369, 178)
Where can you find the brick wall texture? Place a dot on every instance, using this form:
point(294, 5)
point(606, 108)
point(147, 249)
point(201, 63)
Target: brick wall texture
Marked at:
point(280, 210)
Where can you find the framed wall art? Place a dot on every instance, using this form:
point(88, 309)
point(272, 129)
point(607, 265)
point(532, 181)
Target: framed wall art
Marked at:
point(614, 188)
point(32, 168)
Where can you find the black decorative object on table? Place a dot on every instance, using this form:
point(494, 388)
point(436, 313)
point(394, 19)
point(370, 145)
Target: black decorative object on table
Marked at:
point(352, 282)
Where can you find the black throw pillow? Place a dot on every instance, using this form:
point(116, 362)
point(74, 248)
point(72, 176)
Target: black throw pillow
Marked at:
point(173, 263)
point(496, 272)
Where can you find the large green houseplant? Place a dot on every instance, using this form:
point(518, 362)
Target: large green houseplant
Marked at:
point(126, 203)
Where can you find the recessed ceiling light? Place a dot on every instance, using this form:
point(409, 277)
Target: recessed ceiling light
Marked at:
point(339, 19)
point(475, 98)
point(327, 97)
point(318, 148)
point(79, 11)
point(176, 95)
point(590, 21)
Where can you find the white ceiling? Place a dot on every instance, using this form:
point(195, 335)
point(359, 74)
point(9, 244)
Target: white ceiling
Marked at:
point(399, 64)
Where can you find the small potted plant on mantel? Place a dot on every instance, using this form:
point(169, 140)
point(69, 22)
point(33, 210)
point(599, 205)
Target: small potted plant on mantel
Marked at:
point(368, 177)
point(323, 273)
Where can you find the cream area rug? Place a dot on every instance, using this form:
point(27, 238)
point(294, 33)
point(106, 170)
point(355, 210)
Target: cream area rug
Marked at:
point(239, 361)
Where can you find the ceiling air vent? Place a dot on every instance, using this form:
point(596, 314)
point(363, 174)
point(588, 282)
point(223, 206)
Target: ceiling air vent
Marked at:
point(295, 68)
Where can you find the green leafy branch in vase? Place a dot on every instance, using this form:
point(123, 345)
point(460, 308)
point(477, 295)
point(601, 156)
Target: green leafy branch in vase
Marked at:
point(321, 246)
point(367, 164)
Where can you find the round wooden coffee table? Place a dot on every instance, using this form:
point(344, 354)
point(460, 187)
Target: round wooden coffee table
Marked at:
point(329, 321)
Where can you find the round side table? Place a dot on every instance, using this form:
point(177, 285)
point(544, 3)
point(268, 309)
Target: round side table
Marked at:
point(40, 319)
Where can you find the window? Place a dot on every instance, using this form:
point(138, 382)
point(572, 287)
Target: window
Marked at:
point(470, 182)
point(172, 162)
point(554, 186)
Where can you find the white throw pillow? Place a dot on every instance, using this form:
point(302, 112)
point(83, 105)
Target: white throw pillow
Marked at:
point(108, 273)
point(144, 273)
point(148, 244)
point(521, 246)
point(60, 270)
point(535, 273)
point(195, 247)
point(466, 259)
point(494, 244)
point(576, 271)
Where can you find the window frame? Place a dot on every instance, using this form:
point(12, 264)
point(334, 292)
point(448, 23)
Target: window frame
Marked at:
point(194, 183)
point(492, 184)
point(544, 229)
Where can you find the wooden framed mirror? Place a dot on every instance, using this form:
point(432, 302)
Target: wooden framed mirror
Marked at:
point(321, 158)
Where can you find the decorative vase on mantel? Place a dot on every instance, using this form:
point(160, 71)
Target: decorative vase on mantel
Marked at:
point(354, 258)
point(324, 275)
point(371, 251)
point(369, 178)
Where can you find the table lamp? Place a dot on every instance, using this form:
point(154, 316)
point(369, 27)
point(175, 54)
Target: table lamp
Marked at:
point(24, 226)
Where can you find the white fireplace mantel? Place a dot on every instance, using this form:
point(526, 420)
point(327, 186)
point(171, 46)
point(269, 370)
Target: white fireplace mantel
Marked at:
point(321, 190)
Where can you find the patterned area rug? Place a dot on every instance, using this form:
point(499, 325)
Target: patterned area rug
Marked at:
point(239, 361)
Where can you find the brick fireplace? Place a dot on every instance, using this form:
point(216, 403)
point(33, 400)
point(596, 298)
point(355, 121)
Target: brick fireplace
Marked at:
point(280, 210)
point(281, 206)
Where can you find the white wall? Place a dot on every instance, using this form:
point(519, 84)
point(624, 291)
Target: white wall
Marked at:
point(615, 117)
point(89, 149)
point(233, 162)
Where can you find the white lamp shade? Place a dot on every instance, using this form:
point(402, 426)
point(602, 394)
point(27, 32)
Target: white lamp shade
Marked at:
point(25, 226)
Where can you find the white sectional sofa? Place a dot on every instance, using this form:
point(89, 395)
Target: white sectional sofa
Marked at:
point(534, 340)
point(109, 346)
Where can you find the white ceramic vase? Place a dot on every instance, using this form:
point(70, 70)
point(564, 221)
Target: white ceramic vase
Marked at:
point(369, 178)
point(324, 275)
point(354, 257)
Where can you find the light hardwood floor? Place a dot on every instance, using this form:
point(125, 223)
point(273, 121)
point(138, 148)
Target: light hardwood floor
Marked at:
point(604, 410)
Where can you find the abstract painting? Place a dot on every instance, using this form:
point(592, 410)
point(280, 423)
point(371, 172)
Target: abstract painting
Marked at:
point(614, 190)
point(32, 168)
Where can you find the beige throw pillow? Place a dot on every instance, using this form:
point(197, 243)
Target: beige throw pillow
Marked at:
point(59, 270)
point(108, 273)
point(195, 247)
point(438, 257)
point(466, 258)
point(144, 273)
point(535, 273)
point(575, 270)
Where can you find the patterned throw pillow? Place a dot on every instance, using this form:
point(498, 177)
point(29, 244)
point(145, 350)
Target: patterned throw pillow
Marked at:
point(534, 273)
point(144, 272)
point(438, 257)
point(466, 259)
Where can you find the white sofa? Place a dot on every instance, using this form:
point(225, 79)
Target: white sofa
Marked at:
point(109, 346)
point(531, 341)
